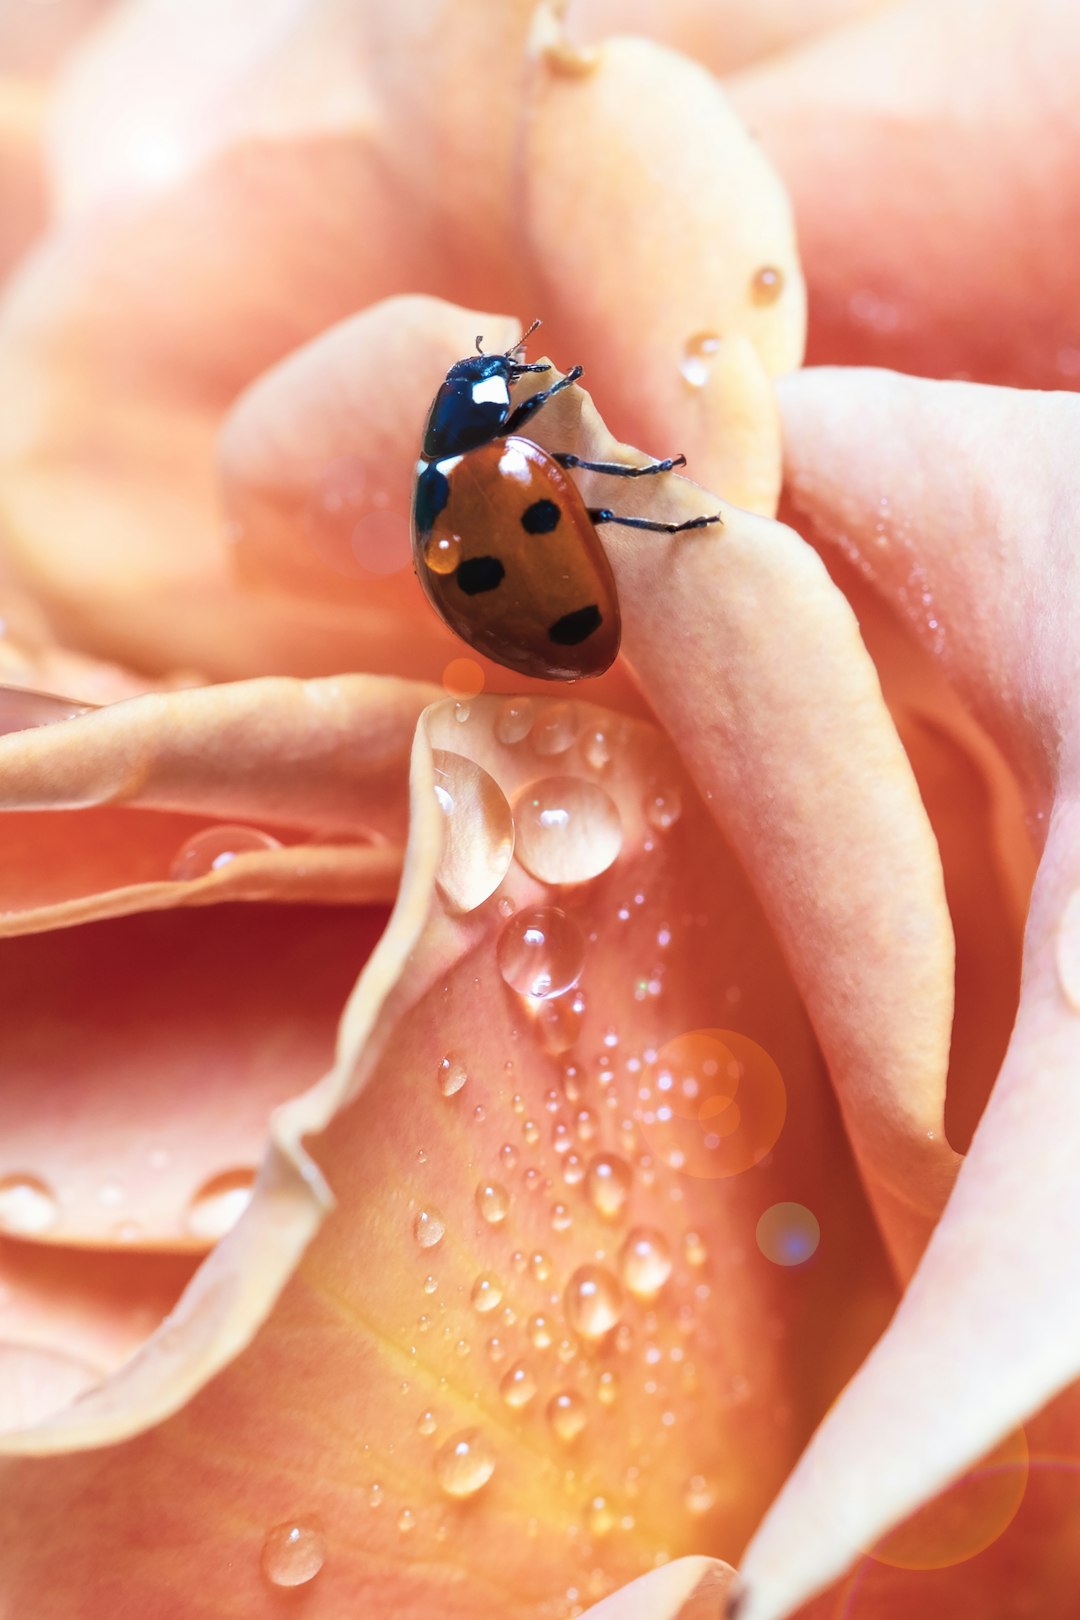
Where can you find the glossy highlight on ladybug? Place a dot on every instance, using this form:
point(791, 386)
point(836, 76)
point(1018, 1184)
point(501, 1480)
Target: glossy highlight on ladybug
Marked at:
point(503, 542)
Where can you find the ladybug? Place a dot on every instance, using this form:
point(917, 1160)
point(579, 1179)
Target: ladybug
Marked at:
point(503, 543)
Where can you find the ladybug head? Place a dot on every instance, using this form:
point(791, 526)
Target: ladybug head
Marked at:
point(473, 404)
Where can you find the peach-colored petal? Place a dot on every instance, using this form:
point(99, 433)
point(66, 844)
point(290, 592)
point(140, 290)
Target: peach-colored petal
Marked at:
point(317, 760)
point(987, 521)
point(689, 1589)
point(671, 223)
point(22, 177)
point(769, 660)
point(364, 1371)
point(930, 152)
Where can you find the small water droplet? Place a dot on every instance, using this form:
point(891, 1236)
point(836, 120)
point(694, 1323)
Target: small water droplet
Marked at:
point(573, 1170)
point(518, 1385)
point(452, 1075)
point(443, 553)
point(698, 356)
point(601, 1517)
point(568, 830)
point(540, 952)
point(27, 1205)
point(541, 1334)
point(558, 1021)
point(426, 1423)
point(608, 1181)
point(496, 1349)
point(508, 1156)
point(585, 1124)
point(556, 729)
point(429, 1228)
point(493, 1202)
point(607, 1387)
point(375, 1495)
point(530, 1130)
point(593, 1301)
point(505, 906)
point(464, 1464)
point(219, 1204)
point(487, 1293)
point(663, 807)
point(430, 1284)
point(406, 1521)
point(699, 1495)
point(694, 1249)
point(215, 847)
point(292, 1555)
point(595, 748)
point(767, 284)
point(540, 1266)
point(567, 1414)
point(645, 1262)
point(561, 1218)
point(514, 720)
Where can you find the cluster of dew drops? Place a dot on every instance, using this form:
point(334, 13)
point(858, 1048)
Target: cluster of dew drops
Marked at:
point(558, 1341)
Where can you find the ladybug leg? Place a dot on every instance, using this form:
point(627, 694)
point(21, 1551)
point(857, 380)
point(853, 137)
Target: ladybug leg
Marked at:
point(601, 514)
point(529, 407)
point(616, 468)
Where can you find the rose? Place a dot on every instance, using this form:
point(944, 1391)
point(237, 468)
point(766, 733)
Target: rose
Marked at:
point(771, 721)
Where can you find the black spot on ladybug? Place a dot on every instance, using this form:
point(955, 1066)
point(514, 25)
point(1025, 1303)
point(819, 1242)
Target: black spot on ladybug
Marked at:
point(575, 627)
point(478, 574)
point(432, 494)
point(540, 518)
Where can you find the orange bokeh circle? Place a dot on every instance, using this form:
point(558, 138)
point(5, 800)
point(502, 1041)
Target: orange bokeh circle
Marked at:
point(965, 1518)
point(713, 1103)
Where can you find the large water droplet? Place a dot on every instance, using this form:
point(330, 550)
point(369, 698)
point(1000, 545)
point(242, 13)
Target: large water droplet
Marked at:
point(292, 1555)
point(487, 1293)
point(540, 952)
point(464, 1464)
point(608, 1181)
point(645, 1262)
point(479, 842)
point(518, 1385)
point(493, 1202)
point(514, 720)
point(698, 356)
point(452, 1075)
point(27, 1205)
point(567, 1414)
point(429, 1228)
point(555, 729)
point(593, 1301)
point(215, 847)
point(219, 1204)
point(568, 830)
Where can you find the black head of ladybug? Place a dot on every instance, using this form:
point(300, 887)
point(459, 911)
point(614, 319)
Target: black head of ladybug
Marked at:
point(473, 404)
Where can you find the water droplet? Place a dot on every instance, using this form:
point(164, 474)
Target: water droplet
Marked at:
point(539, 1329)
point(540, 952)
point(694, 1249)
point(595, 748)
point(375, 1495)
point(573, 1170)
point(464, 1464)
point(487, 1293)
point(608, 1181)
point(452, 1075)
point(600, 1518)
point(767, 284)
point(607, 1387)
point(496, 1349)
point(788, 1234)
point(508, 1155)
point(518, 1385)
point(567, 1414)
point(530, 1130)
point(215, 847)
point(561, 1218)
point(593, 1301)
point(699, 1495)
point(540, 1266)
point(426, 1423)
point(406, 1521)
point(493, 1202)
point(568, 830)
point(663, 807)
point(430, 1284)
point(443, 553)
point(555, 729)
point(645, 1262)
point(514, 720)
point(698, 356)
point(27, 1205)
point(1068, 951)
point(585, 1124)
point(429, 1228)
point(479, 841)
point(292, 1555)
point(558, 1021)
point(219, 1204)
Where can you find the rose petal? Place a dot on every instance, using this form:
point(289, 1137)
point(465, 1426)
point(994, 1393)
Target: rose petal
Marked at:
point(334, 1362)
point(929, 151)
point(22, 177)
point(689, 1589)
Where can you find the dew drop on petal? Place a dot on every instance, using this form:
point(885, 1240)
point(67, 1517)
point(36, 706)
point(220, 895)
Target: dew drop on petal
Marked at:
point(452, 1075)
point(694, 1249)
point(767, 284)
point(595, 748)
point(608, 1181)
point(487, 1293)
point(561, 1218)
point(601, 1517)
point(568, 830)
point(558, 1021)
point(699, 1495)
point(429, 1228)
point(426, 1423)
point(493, 1202)
point(219, 1204)
point(464, 1464)
point(698, 356)
point(514, 720)
point(567, 1414)
point(540, 952)
point(479, 842)
point(645, 1262)
point(215, 847)
point(593, 1301)
point(556, 729)
point(573, 1170)
point(518, 1385)
point(508, 1156)
point(443, 553)
point(27, 1205)
point(292, 1555)
point(540, 1266)
point(607, 1387)
point(539, 1329)
point(406, 1521)
point(663, 807)
point(530, 1130)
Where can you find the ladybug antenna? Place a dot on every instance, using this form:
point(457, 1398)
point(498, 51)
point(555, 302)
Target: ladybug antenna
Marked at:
point(523, 339)
point(479, 341)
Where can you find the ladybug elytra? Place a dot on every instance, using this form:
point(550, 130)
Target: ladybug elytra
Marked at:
point(503, 542)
